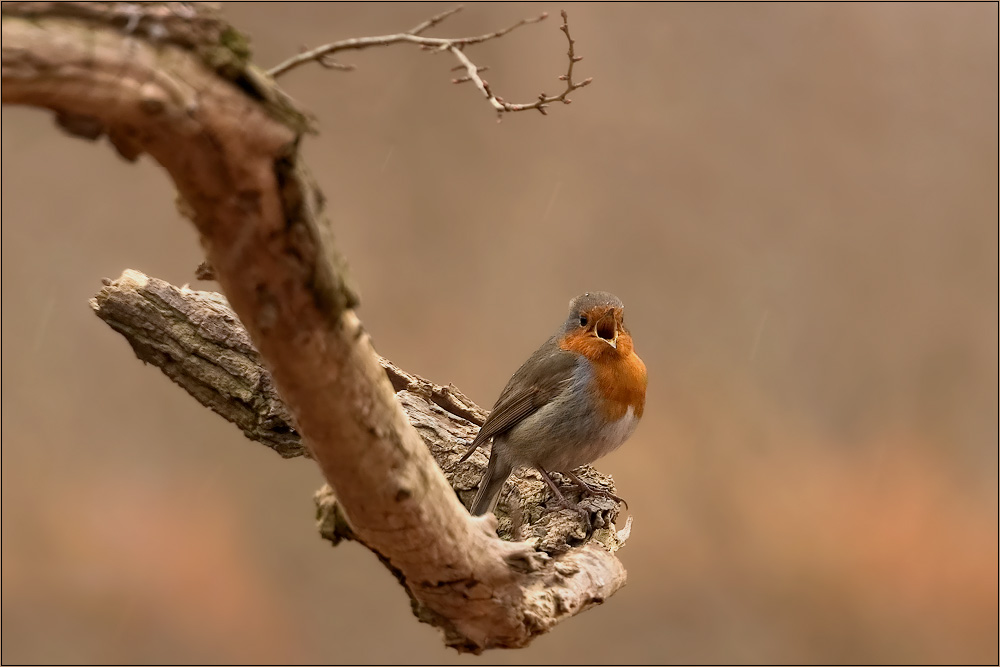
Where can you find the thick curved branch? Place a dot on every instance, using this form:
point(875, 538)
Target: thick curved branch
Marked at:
point(205, 115)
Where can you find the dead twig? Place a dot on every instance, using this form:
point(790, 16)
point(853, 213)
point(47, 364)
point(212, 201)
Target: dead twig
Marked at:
point(454, 45)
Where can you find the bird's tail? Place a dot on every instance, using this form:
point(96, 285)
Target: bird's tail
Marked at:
point(496, 474)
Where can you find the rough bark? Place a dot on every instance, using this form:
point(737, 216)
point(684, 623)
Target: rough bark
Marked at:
point(174, 82)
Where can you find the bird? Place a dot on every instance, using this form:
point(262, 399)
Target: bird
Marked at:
point(578, 397)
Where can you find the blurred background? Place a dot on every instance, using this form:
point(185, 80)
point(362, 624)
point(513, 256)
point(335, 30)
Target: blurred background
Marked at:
point(798, 206)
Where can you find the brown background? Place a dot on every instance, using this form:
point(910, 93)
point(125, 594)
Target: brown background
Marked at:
point(798, 204)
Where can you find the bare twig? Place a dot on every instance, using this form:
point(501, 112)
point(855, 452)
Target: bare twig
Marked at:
point(456, 46)
point(329, 63)
point(434, 20)
point(543, 100)
point(466, 77)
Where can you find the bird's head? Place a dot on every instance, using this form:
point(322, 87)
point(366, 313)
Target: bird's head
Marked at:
point(595, 325)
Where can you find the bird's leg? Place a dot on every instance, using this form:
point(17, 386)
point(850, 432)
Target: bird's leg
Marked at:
point(558, 494)
point(595, 491)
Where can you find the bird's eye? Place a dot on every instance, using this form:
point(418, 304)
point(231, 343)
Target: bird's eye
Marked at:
point(583, 320)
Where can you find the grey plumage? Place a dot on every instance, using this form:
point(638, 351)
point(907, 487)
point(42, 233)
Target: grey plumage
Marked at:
point(545, 417)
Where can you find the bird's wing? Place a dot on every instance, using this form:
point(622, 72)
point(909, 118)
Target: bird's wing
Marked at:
point(539, 380)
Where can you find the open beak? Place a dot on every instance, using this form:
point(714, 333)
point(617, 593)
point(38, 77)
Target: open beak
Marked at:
point(607, 328)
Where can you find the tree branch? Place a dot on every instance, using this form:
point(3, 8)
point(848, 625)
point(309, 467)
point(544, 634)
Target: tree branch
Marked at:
point(456, 46)
point(229, 141)
point(197, 340)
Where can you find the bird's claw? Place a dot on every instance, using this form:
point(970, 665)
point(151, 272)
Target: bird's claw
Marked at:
point(596, 490)
point(604, 493)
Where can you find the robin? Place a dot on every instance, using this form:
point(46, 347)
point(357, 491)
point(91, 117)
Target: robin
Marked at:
point(577, 398)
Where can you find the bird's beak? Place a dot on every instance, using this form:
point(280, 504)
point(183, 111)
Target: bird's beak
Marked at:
point(607, 329)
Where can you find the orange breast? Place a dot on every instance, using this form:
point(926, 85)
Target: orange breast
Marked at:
point(619, 374)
